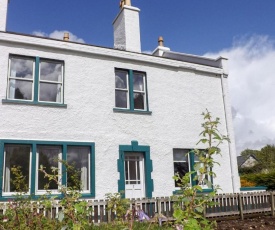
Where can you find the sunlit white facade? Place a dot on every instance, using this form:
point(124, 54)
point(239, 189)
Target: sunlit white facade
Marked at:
point(124, 118)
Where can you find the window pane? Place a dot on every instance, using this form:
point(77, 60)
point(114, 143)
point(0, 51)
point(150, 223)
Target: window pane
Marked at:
point(121, 80)
point(121, 99)
point(21, 67)
point(78, 157)
point(138, 100)
point(50, 92)
point(181, 168)
point(20, 89)
point(126, 170)
point(138, 82)
point(48, 157)
point(132, 170)
point(50, 71)
point(180, 154)
point(16, 155)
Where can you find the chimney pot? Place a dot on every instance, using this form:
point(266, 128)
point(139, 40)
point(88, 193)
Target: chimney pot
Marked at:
point(161, 41)
point(124, 2)
point(66, 36)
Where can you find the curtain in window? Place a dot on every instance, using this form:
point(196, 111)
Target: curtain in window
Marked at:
point(79, 158)
point(12, 85)
point(16, 155)
point(59, 87)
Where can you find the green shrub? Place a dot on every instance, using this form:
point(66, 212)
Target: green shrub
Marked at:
point(262, 179)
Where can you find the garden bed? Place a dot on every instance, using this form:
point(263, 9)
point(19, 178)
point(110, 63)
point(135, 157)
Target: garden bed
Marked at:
point(261, 222)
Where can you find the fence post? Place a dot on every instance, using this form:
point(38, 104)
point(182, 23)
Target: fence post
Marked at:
point(272, 204)
point(159, 206)
point(240, 205)
point(109, 213)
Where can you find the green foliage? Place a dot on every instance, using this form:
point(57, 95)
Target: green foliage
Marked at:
point(21, 213)
point(262, 179)
point(265, 156)
point(18, 180)
point(254, 169)
point(117, 205)
point(190, 205)
point(75, 211)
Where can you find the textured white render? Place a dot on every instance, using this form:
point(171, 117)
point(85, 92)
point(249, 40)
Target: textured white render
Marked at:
point(3, 14)
point(178, 93)
point(127, 30)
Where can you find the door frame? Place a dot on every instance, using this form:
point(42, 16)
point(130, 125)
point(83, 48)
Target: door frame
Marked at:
point(148, 167)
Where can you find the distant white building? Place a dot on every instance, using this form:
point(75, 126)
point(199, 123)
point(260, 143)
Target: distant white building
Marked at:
point(247, 161)
point(125, 118)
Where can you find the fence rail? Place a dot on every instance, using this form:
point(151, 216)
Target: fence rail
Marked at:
point(227, 205)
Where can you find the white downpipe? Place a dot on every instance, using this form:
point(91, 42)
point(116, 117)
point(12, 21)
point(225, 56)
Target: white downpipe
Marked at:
point(225, 102)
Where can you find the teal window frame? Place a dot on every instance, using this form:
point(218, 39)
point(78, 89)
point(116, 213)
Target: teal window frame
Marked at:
point(34, 144)
point(191, 164)
point(148, 165)
point(36, 82)
point(130, 81)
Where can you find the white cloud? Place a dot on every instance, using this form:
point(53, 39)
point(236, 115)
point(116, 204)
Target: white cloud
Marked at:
point(252, 89)
point(58, 34)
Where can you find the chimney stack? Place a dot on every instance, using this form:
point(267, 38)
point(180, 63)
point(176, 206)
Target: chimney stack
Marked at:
point(161, 49)
point(3, 14)
point(126, 28)
point(66, 36)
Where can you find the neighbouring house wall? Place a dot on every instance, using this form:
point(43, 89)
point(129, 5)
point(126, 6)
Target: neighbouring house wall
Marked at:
point(177, 97)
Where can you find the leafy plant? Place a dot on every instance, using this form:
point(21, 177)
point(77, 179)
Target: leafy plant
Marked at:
point(190, 205)
point(117, 205)
point(75, 211)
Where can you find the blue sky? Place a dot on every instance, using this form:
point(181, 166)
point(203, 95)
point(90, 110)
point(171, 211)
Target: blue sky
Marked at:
point(242, 30)
point(193, 26)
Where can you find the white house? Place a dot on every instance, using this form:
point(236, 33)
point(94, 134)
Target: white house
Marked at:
point(125, 118)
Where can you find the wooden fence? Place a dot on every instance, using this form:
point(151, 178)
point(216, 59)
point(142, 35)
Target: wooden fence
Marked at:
point(227, 205)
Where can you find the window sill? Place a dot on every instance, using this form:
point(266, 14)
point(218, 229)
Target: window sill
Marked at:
point(37, 197)
point(180, 192)
point(7, 101)
point(117, 110)
point(253, 188)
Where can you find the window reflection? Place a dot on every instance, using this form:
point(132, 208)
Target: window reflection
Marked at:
point(121, 79)
point(50, 92)
point(21, 78)
point(16, 156)
point(138, 82)
point(21, 67)
point(121, 99)
point(121, 92)
point(50, 87)
point(48, 157)
point(79, 158)
point(50, 71)
point(139, 100)
point(24, 72)
point(181, 165)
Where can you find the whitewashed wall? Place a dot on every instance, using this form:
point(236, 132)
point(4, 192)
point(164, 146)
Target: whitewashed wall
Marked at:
point(177, 97)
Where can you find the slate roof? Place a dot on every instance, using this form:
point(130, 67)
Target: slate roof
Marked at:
point(242, 159)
